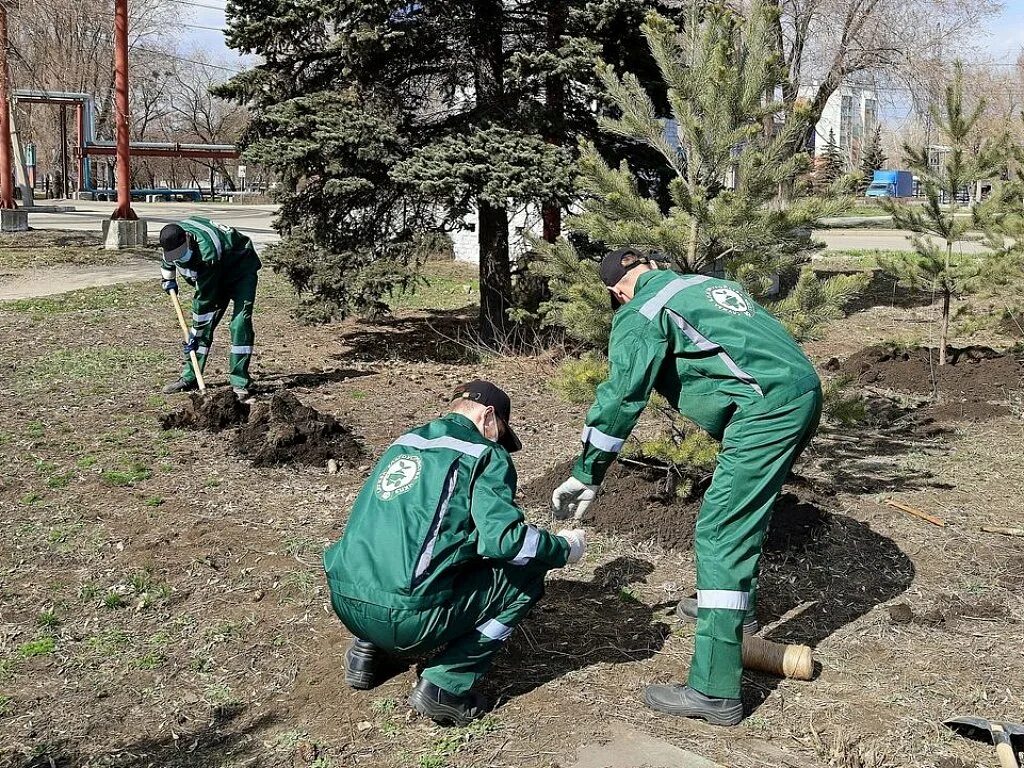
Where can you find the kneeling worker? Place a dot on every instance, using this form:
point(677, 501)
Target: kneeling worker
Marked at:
point(727, 364)
point(436, 554)
point(222, 264)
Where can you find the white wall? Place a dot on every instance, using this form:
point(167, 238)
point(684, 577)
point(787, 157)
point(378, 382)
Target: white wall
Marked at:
point(465, 240)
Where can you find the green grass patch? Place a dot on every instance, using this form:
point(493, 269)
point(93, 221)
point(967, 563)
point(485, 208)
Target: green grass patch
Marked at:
point(112, 298)
point(133, 473)
point(113, 600)
point(109, 642)
point(47, 620)
point(42, 646)
point(153, 501)
point(92, 365)
point(443, 285)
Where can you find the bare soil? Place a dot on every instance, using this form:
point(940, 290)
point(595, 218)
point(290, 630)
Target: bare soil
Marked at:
point(975, 383)
point(210, 411)
point(284, 431)
point(162, 601)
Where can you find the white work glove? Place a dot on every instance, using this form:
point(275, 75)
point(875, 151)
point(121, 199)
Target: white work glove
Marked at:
point(577, 541)
point(572, 499)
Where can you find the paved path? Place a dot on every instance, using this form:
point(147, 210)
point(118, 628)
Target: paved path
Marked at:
point(876, 239)
point(252, 220)
point(48, 281)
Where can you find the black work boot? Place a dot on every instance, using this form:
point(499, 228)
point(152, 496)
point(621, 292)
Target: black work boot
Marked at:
point(181, 385)
point(682, 700)
point(446, 708)
point(686, 610)
point(362, 660)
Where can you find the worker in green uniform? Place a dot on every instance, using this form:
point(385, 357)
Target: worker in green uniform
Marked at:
point(222, 264)
point(436, 557)
point(728, 365)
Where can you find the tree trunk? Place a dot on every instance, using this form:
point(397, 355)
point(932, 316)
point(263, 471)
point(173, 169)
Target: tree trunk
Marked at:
point(495, 265)
point(495, 271)
point(944, 328)
point(554, 87)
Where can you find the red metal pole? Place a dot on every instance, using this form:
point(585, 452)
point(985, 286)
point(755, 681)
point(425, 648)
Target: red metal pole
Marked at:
point(124, 194)
point(6, 167)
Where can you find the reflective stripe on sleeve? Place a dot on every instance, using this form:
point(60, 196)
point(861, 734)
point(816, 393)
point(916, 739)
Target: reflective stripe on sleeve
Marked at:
point(495, 630)
point(191, 274)
point(529, 549)
point(237, 349)
point(451, 443)
point(166, 274)
point(601, 441)
point(203, 318)
point(726, 599)
point(203, 351)
point(656, 303)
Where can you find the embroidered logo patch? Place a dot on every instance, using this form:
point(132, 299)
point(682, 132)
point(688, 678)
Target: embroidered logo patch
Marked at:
point(730, 300)
point(399, 477)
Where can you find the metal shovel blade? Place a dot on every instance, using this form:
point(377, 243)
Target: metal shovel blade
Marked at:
point(980, 729)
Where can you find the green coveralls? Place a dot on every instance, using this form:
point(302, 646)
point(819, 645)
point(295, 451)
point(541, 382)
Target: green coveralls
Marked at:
point(436, 553)
point(224, 270)
point(724, 362)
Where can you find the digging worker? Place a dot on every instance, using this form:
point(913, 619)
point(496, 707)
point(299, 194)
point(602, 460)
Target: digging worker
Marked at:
point(728, 365)
point(222, 264)
point(436, 557)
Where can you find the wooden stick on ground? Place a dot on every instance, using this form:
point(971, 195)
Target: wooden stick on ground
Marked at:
point(915, 512)
point(1003, 531)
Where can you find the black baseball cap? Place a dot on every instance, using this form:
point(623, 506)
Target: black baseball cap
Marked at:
point(174, 241)
point(616, 264)
point(485, 393)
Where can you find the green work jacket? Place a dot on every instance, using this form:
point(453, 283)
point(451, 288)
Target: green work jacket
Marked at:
point(220, 250)
point(702, 343)
point(439, 502)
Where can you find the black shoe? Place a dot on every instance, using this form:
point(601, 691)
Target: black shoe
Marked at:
point(682, 700)
point(446, 708)
point(686, 610)
point(181, 385)
point(362, 660)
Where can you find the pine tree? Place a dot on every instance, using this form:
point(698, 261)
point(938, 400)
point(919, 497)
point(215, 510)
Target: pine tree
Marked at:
point(937, 228)
point(387, 119)
point(829, 166)
point(725, 169)
point(873, 159)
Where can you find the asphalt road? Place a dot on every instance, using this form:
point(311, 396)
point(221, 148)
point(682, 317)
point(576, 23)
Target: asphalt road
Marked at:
point(253, 220)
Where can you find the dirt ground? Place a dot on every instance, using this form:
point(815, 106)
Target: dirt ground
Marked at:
point(162, 601)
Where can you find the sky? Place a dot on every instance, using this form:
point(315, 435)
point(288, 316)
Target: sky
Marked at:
point(1001, 40)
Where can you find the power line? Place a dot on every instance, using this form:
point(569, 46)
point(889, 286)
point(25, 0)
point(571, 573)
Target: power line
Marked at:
point(188, 61)
point(201, 26)
point(220, 8)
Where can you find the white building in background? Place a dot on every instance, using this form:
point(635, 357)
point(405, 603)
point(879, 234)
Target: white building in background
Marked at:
point(851, 114)
point(523, 223)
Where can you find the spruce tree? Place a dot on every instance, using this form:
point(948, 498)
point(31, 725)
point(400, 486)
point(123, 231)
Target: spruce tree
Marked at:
point(873, 158)
point(829, 166)
point(387, 119)
point(937, 227)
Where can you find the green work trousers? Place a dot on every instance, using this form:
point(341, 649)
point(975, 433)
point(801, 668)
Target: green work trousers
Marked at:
point(463, 634)
point(239, 289)
point(758, 450)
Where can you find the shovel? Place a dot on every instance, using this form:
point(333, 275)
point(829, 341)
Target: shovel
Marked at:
point(991, 732)
point(184, 329)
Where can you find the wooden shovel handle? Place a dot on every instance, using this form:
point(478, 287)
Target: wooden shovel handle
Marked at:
point(184, 330)
point(1004, 749)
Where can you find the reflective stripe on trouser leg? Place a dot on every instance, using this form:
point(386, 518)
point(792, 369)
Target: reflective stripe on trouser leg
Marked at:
point(209, 316)
point(242, 335)
point(756, 456)
point(504, 602)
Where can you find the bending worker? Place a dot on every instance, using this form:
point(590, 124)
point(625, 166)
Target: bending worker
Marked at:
point(436, 555)
point(725, 363)
point(222, 264)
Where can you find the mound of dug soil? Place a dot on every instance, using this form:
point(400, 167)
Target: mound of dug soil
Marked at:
point(641, 504)
point(285, 431)
point(212, 412)
point(971, 375)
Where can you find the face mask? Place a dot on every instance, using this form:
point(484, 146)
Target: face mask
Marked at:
point(185, 257)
